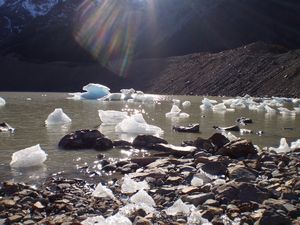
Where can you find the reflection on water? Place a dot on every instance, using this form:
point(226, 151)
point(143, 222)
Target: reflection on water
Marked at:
point(30, 174)
point(28, 117)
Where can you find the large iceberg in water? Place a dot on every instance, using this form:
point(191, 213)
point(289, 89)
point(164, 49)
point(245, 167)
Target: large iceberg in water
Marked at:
point(28, 157)
point(57, 117)
point(109, 117)
point(93, 91)
point(2, 101)
point(136, 124)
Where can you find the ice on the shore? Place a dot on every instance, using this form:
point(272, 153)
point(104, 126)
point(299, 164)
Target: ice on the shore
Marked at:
point(109, 117)
point(103, 192)
point(128, 209)
point(295, 145)
point(95, 91)
point(219, 107)
point(195, 218)
point(283, 147)
point(136, 124)
point(142, 197)
point(116, 219)
point(2, 101)
point(197, 182)
point(179, 208)
point(28, 157)
point(131, 186)
point(57, 117)
point(186, 104)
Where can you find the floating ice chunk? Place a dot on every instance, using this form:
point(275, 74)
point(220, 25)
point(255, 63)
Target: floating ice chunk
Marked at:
point(228, 101)
point(197, 182)
point(94, 91)
point(5, 127)
point(175, 110)
point(179, 207)
point(270, 110)
point(28, 157)
point(127, 93)
point(238, 104)
point(297, 109)
point(186, 104)
point(142, 197)
point(286, 112)
point(219, 107)
point(184, 115)
point(195, 218)
point(296, 100)
point(136, 124)
point(131, 186)
point(113, 97)
point(295, 145)
point(103, 192)
point(116, 219)
point(283, 147)
point(2, 101)
point(206, 104)
point(109, 117)
point(57, 117)
point(138, 96)
point(176, 102)
point(257, 107)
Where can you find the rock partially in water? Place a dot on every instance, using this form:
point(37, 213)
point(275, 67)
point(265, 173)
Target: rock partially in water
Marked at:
point(5, 127)
point(230, 128)
point(103, 144)
point(218, 140)
point(192, 128)
point(244, 120)
point(147, 141)
point(175, 150)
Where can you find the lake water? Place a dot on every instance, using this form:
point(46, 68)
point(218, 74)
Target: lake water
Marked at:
point(26, 112)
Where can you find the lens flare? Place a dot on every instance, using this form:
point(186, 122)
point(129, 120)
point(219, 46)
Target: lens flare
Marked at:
point(109, 29)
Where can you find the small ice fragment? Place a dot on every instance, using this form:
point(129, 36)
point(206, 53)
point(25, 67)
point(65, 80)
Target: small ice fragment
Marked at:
point(131, 186)
point(186, 104)
point(114, 97)
point(109, 117)
point(219, 107)
point(116, 219)
point(197, 182)
point(28, 157)
point(2, 101)
point(103, 192)
point(295, 145)
point(206, 104)
point(176, 102)
point(183, 115)
point(57, 117)
point(179, 207)
point(228, 101)
point(195, 218)
point(95, 91)
point(28, 99)
point(270, 110)
point(283, 147)
point(175, 110)
point(142, 197)
point(286, 112)
point(136, 124)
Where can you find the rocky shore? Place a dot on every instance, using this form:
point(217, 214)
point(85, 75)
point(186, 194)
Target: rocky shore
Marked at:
point(206, 181)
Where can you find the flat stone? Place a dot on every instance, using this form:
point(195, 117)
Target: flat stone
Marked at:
point(189, 190)
point(214, 168)
point(198, 199)
point(38, 205)
point(15, 218)
point(147, 141)
point(241, 173)
point(7, 203)
point(238, 149)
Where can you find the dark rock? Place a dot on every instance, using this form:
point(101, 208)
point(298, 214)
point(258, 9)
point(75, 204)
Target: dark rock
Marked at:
point(198, 199)
point(10, 187)
point(237, 149)
point(230, 128)
point(100, 156)
point(211, 212)
point(147, 141)
point(81, 139)
point(218, 140)
point(272, 217)
point(244, 120)
point(15, 218)
point(175, 150)
point(122, 144)
point(214, 168)
point(103, 144)
point(241, 173)
point(144, 161)
point(201, 144)
point(192, 128)
point(109, 167)
point(5, 127)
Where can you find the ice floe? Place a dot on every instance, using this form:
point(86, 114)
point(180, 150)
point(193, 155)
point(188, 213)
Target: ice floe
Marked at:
point(206, 104)
point(131, 186)
point(110, 117)
point(103, 192)
point(283, 147)
point(93, 91)
point(57, 117)
point(28, 157)
point(186, 104)
point(2, 101)
point(136, 124)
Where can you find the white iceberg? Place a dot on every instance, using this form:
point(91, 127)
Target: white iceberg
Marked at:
point(28, 157)
point(142, 197)
point(95, 91)
point(175, 110)
point(116, 219)
point(57, 117)
point(179, 208)
point(176, 102)
point(136, 124)
point(131, 186)
point(127, 93)
point(109, 117)
point(295, 145)
point(238, 104)
point(186, 104)
point(103, 192)
point(2, 101)
point(219, 107)
point(286, 112)
point(257, 107)
point(283, 147)
point(270, 110)
point(206, 104)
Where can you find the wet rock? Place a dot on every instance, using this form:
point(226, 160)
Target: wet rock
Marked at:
point(122, 144)
point(241, 173)
point(147, 141)
point(81, 139)
point(272, 217)
point(103, 144)
point(244, 120)
point(214, 168)
point(218, 140)
point(175, 150)
point(5, 127)
point(10, 187)
point(238, 149)
point(230, 128)
point(192, 128)
point(201, 144)
point(198, 199)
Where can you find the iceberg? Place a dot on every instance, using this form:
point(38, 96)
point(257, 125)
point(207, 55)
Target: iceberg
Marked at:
point(95, 91)
point(286, 112)
point(131, 186)
point(103, 192)
point(136, 124)
point(28, 157)
point(2, 101)
point(219, 107)
point(186, 104)
point(295, 145)
point(116, 219)
point(270, 110)
point(179, 207)
point(206, 104)
point(109, 117)
point(283, 147)
point(142, 197)
point(176, 112)
point(127, 93)
point(57, 117)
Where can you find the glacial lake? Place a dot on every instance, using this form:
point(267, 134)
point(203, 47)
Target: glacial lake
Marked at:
point(27, 112)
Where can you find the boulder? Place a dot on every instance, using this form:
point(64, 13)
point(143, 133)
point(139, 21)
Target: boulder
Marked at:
point(81, 139)
point(237, 149)
point(244, 120)
point(230, 128)
point(205, 144)
point(103, 144)
point(214, 168)
point(191, 128)
point(272, 217)
point(147, 141)
point(198, 199)
point(122, 144)
point(218, 140)
point(241, 173)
